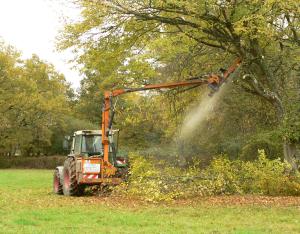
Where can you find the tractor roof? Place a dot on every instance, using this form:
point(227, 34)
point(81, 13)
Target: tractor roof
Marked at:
point(92, 132)
point(88, 132)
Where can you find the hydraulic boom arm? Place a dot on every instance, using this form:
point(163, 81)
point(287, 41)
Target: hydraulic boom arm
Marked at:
point(214, 81)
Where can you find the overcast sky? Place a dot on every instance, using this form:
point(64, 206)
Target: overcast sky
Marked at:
point(32, 25)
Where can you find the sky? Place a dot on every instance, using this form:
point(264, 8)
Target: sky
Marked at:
point(32, 25)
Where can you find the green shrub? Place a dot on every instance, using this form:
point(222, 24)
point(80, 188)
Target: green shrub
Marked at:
point(152, 181)
point(268, 142)
point(146, 181)
point(270, 177)
point(225, 176)
point(262, 176)
point(4, 163)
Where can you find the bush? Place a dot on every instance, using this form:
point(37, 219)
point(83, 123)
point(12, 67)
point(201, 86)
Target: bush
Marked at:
point(268, 142)
point(262, 176)
point(151, 181)
point(147, 181)
point(270, 177)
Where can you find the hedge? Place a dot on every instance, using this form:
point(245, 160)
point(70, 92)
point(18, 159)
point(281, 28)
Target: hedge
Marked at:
point(41, 162)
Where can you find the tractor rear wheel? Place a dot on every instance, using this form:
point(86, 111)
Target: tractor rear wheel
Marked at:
point(57, 185)
point(70, 185)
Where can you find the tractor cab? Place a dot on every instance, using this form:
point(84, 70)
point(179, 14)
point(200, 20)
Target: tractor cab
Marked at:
point(88, 144)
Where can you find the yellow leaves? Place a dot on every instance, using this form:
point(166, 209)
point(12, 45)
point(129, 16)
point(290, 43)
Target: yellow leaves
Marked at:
point(254, 27)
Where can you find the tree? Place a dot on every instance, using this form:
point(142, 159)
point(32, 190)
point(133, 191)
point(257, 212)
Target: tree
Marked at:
point(46, 102)
point(33, 102)
point(264, 34)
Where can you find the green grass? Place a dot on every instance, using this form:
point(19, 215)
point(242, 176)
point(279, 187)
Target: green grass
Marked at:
point(28, 206)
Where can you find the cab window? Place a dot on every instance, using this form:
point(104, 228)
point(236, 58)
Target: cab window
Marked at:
point(77, 146)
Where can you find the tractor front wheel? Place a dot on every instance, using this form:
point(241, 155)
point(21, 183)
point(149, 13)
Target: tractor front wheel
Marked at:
point(70, 184)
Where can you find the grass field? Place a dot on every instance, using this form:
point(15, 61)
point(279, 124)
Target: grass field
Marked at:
point(28, 206)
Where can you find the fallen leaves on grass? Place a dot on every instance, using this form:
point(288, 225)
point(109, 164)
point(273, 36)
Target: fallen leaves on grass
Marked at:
point(229, 200)
point(280, 201)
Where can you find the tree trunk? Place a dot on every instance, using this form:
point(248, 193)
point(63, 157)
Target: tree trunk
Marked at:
point(290, 151)
point(291, 155)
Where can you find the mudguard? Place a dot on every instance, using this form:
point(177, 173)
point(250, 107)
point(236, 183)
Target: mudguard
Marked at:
point(60, 171)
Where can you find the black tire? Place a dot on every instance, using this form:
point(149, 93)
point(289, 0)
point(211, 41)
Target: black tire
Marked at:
point(70, 185)
point(57, 185)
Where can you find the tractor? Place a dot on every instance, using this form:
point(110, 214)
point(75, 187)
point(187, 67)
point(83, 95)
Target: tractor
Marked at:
point(85, 166)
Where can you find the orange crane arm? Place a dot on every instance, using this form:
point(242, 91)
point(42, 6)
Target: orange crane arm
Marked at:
point(107, 114)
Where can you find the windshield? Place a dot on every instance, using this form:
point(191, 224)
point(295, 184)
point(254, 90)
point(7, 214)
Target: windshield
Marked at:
point(91, 144)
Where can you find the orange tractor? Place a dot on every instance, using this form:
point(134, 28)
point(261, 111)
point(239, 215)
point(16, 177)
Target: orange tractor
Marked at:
point(94, 160)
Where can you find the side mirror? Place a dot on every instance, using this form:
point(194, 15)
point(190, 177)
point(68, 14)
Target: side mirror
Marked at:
point(66, 142)
point(68, 138)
